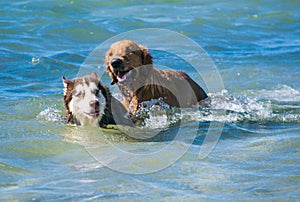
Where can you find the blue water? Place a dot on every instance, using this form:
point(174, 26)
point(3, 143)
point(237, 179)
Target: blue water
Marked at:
point(255, 46)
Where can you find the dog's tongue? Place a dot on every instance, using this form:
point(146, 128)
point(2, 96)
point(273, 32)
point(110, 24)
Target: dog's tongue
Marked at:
point(122, 76)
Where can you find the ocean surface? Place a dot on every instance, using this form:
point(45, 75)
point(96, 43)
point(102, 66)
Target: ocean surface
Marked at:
point(246, 146)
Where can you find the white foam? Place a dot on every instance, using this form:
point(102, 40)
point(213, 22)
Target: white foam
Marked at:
point(281, 93)
point(50, 114)
point(224, 107)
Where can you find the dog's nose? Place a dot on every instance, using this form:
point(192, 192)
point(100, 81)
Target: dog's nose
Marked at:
point(94, 103)
point(116, 62)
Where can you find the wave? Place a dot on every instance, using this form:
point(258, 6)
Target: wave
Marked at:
point(281, 93)
point(277, 105)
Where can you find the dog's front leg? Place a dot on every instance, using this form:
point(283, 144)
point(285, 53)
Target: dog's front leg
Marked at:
point(133, 105)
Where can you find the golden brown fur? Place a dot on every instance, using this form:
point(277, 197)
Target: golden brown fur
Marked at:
point(130, 66)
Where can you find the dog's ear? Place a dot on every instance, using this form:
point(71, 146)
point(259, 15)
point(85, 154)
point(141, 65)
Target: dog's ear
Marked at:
point(68, 86)
point(65, 80)
point(146, 56)
point(94, 75)
point(108, 70)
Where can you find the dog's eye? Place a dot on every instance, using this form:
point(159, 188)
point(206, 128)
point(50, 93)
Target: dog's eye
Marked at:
point(110, 54)
point(96, 91)
point(79, 94)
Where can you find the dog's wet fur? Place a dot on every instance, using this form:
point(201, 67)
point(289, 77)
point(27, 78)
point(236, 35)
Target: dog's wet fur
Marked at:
point(89, 103)
point(130, 66)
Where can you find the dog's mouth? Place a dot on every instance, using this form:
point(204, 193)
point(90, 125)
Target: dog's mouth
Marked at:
point(93, 114)
point(122, 75)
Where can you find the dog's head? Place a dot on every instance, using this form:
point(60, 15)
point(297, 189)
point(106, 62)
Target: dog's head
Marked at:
point(124, 56)
point(84, 99)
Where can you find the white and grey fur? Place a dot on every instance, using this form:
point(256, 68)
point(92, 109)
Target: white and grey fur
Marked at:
point(88, 103)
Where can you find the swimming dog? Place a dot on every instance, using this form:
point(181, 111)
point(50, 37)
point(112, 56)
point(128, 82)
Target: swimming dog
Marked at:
point(88, 103)
point(130, 65)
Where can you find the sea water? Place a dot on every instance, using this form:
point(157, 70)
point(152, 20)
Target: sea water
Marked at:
point(253, 121)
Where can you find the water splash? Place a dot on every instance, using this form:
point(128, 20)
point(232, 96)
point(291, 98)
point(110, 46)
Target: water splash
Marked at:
point(51, 114)
point(223, 107)
point(281, 93)
point(237, 108)
point(278, 105)
point(156, 114)
point(34, 61)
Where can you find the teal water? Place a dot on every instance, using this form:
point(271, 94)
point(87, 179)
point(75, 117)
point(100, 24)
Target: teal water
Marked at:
point(255, 46)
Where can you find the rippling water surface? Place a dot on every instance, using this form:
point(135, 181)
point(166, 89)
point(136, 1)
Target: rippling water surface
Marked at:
point(255, 46)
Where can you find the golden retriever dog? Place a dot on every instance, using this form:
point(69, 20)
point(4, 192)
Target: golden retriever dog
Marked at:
point(130, 65)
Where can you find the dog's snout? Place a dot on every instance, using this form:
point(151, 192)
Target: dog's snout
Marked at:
point(116, 63)
point(94, 103)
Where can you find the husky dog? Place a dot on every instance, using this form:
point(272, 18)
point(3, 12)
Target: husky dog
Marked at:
point(88, 103)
